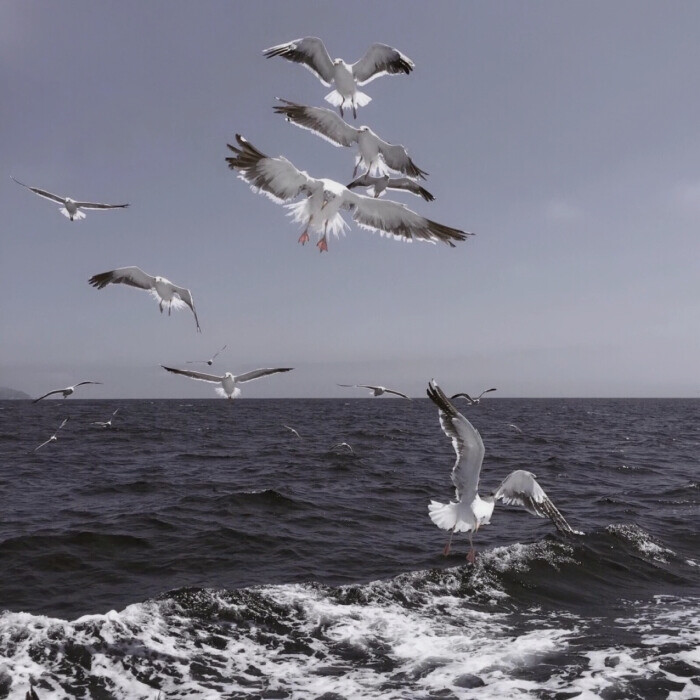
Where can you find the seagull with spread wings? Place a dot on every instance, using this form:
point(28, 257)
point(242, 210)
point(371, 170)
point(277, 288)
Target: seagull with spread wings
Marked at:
point(106, 424)
point(311, 52)
point(163, 290)
point(53, 437)
point(376, 390)
point(210, 361)
point(67, 391)
point(376, 186)
point(71, 208)
point(473, 401)
point(228, 381)
point(319, 211)
point(469, 512)
point(373, 154)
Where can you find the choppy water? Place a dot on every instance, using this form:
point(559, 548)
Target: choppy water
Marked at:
point(199, 549)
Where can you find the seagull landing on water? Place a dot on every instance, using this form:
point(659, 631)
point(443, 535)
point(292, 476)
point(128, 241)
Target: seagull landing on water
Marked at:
point(473, 401)
point(376, 390)
point(66, 392)
point(53, 437)
point(311, 52)
point(106, 424)
point(210, 361)
point(378, 185)
point(470, 511)
point(163, 290)
point(228, 381)
point(319, 211)
point(374, 154)
point(71, 208)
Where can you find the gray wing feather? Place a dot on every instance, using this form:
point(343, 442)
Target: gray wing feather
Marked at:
point(42, 193)
point(321, 121)
point(380, 59)
point(310, 51)
point(396, 157)
point(94, 205)
point(200, 376)
point(257, 373)
point(133, 276)
point(186, 296)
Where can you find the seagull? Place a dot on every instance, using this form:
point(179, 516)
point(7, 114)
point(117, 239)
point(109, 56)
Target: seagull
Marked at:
point(374, 154)
point(107, 424)
point(66, 392)
point(210, 361)
point(228, 381)
point(311, 52)
point(378, 185)
point(289, 427)
point(71, 208)
point(344, 445)
point(515, 427)
point(470, 511)
point(163, 290)
point(473, 401)
point(53, 437)
point(323, 199)
point(376, 390)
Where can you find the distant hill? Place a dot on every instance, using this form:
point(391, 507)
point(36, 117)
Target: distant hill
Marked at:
point(7, 393)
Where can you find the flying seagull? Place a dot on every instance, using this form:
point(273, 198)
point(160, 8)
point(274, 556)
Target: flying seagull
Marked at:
point(379, 60)
point(374, 154)
point(470, 511)
point(210, 361)
point(376, 390)
point(343, 445)
point(71, 207)
point(319, 211)
point(289, 427)
point(66, 392)
point(228, 381)
point(475, 400)
point(378, 185)
point(106, 424)
point(163, 290)
point(53, 437)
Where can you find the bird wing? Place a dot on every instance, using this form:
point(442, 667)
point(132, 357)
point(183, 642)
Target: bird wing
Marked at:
point(398, 393)
point(65, 420)
point(44, 443)
point(218, 352)
point(42, 193)
point(394, 219)
point(396, 157)
point(360, 386)
point(289, 427)
point(94, 205)
point(56, 391)
point(520, 488)
point(365, 180)
point(81, 383)
point(275, 177)
point(133, 276)
point(463, 395)
point(486, 391)
point(466, 441)
point(380, 59)
point(200, 376)
point(257, 373)
point(405, 183)
point(310, 52)
point(186, 296)
point(323, 122)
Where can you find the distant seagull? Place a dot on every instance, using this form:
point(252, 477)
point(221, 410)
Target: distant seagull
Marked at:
point(107, 424)
point(376, 390)
point(323, 199)
point(53, 437)
point(515, 427)
point(163, 290)
point(66, 392)
point(379, 60)
point(469, 512)
point(228, 381)
point(374, 154)
point(210, 361)
point(378, 185)
point(343, 445)
point(289, 427)
point(71, 208)
point(473, 401)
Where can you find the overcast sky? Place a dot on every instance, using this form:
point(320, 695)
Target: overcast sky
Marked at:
point(566, 135)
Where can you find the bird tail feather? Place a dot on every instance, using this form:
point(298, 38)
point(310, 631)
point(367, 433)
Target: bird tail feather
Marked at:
point(449, 516)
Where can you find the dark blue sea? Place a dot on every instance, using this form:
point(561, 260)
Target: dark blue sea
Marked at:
point(199, 549)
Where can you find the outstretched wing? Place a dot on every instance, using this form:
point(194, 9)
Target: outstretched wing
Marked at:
point(257, 373)
point(275, 177)
point(396, 157)
point(463, 395)
point(186, 296)
point(200, 376)
point(133, 276)
point(323, 122)
point(398, 393)
point(520, 488)
point(310, 52)
point(394, 219)
point(405, 183)
point(42, 193)
point(466, 441)
point(486, 391)
point(56, 391)
point(94, 205)
point(380, 59)
point(81, 383)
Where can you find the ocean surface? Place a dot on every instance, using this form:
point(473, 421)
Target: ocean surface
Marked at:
point(199, 549)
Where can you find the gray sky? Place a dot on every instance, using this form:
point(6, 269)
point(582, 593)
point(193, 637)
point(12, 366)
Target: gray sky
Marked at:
point(566, 135)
